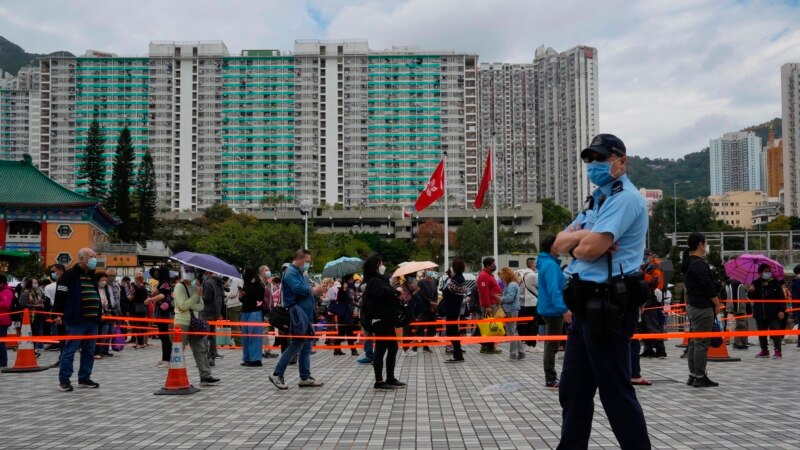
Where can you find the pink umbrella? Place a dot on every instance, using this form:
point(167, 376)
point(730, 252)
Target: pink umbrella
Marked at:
point(414, 267)
point(744, 268)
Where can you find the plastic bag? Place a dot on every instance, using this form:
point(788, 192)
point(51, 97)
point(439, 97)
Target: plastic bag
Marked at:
point(504, 388)
point(118, 341)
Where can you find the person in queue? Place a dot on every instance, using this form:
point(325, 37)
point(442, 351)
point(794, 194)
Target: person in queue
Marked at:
point(188, 299)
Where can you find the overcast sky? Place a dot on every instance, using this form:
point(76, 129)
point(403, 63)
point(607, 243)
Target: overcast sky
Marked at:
point(673, 73)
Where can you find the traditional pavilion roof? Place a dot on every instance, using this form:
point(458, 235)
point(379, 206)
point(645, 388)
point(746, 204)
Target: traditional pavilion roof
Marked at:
point(23, 185)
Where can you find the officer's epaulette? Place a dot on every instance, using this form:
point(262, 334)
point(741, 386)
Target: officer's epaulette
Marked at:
point(617, 187)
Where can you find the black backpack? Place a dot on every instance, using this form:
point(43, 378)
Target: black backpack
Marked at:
point(16, 307)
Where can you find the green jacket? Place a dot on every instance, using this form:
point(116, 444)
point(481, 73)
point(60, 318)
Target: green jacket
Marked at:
point(183, 303)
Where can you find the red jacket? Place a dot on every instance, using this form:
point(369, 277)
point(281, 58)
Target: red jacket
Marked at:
point(488, 289)
point(6, 298)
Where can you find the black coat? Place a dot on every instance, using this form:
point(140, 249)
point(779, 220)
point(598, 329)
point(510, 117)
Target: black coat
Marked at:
point(767, 290)
point(453, 294)
point(380, 300)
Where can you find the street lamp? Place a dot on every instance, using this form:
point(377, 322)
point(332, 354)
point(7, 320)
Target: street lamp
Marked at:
point(675, 210)
point(305, 209)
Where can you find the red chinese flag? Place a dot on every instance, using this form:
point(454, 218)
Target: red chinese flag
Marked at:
point(487, 177)
point(433, 191)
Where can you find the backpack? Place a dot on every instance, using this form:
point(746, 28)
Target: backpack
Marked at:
point(279, 316)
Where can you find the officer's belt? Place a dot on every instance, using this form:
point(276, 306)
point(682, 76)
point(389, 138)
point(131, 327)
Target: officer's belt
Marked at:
point(586, 289)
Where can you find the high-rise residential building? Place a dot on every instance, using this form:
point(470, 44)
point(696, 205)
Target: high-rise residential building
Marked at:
point(19, 115)
point(773, 155)
point(540, 116)
point(790, 106)
point(736, 163)
point(333, 122)
point(736, 208)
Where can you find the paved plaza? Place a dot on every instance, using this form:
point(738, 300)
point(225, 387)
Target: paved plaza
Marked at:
point(756, 406)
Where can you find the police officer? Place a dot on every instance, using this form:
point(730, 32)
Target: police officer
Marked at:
point(606, 242)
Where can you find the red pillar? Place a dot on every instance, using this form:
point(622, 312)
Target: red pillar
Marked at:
point(3, 224)
point(44, 241)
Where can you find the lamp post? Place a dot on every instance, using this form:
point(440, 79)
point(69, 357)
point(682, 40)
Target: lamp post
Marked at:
point(675, 210)
point(305, 209)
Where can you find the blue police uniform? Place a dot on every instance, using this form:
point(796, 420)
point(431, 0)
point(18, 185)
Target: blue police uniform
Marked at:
point(603, 364)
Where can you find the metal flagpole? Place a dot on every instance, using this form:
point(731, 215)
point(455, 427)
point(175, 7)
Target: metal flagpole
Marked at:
point(494, 197)
point(446, 221)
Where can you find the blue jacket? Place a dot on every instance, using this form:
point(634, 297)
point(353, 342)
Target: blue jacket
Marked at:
point(299, 324)
point(295, 290)
point(510, 297)
point(551, 286)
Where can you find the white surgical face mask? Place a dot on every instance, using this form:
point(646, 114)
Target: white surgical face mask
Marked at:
point(708, 249)
point(382, 269)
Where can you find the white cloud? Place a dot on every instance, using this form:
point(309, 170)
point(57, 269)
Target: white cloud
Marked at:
point(673, 74)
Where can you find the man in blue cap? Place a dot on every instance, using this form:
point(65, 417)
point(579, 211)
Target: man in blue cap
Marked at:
point(606, 241)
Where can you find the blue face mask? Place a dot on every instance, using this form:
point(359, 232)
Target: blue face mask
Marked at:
point(53, 276)
point(599, 173)
point(92, 263)
point(306, 266)
point(766, 275)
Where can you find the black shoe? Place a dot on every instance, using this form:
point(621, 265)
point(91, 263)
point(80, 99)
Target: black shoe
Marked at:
point(211, 363)
point(647, 355)
point(704, 382)
point(251, 364)
point(209, 380)
point(65, 387)
point(293, 361)
point(218, 356)
point(268, 354)
point(88, 384)
point(106, 355)
point(690, 381)
point(353, 352)
point(395, 383)
point(338, 353)
point(383, 386)
point(427, 350)
point(658, 355)
point(55, 364)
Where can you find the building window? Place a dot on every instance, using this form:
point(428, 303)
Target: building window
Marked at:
point(64, 231)
point(64, 258)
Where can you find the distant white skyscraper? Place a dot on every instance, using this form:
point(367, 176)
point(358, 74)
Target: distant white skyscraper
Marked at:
point(790, 105)
point(736, 163)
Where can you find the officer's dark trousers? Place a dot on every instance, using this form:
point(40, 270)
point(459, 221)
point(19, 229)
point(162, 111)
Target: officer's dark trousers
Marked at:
point(604, 365)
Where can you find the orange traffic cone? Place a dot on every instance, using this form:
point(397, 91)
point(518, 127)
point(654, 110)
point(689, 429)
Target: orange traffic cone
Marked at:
point(177, 378)
point(26, 355)
point(720, 353)
point(12, 332)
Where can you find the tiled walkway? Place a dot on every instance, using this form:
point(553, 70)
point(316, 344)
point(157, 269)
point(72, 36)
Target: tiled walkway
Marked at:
point(756, 406)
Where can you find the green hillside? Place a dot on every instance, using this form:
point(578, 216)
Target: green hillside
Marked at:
point(13, 57)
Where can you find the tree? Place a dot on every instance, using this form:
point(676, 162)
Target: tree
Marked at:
point(662, 223)
point(554, 217)
point(119, 196)
point(146, 197)
point(473, 244)
point(29, 266)
point(430, 240)
point(92, 170)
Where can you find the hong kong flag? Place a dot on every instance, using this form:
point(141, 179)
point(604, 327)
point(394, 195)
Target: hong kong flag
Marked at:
point(433, 191)
point(487, 177)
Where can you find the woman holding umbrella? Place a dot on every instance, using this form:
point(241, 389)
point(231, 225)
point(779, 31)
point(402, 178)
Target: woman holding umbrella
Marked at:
point(769, 314)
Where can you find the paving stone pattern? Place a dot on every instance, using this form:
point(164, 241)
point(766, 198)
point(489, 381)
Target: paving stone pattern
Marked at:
point(756, 406)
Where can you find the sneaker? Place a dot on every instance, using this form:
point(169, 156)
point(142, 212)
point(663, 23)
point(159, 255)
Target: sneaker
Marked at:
point(763, 354)
point(208, 380)
point(660, 356)
point(536, 350)
point(310, 382)
point(293, 361)
point(513, 356)
point(383, 386)
point(521, 355)
point(98, 357)
point(691, 379)
point(778, 355)
point(65, 387)
point(409, 353)
point(55, 364)
point(354, 352)
point(448, 350)
point(551, 384)
point(278, 382)
point(162, 364)
point(647, 355)
point(395, 383)
point(211, 362)
point(704, 381)
point(218, 356)
point(88, 384)
point(453, 360)
point(268, 354)
point(106, 355)
point(427, 350)
point(487, 351)
point(365, 360)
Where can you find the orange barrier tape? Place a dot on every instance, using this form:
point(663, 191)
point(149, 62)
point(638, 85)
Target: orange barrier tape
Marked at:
point(474, 321)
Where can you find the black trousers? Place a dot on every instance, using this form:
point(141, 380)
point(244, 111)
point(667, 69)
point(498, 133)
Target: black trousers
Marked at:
point(387, 348)
point(452, 331)
point(166, 341)
point(529, 328)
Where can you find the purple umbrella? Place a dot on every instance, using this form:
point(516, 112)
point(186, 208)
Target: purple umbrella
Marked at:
point(208, 263)
point(744, 268)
